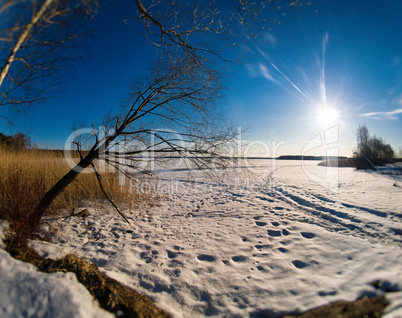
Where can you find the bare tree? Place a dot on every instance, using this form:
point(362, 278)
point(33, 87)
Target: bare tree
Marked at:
point(363, 137)
point(180, 93)
point(37, 40)
point(371, 151)
point(209, 28)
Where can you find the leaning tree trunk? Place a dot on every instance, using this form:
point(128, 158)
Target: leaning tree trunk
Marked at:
point(51, 195)
point(22, 38)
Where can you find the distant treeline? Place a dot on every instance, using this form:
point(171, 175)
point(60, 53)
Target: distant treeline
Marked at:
point(18, 141)
point(298, 157)
point(22, 142)
point(354, 163)
point(371, 150)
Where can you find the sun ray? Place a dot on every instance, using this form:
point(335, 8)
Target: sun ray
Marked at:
point(327, 115)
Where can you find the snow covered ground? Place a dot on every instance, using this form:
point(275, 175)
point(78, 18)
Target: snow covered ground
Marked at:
point(282, 238)
point(25, 292)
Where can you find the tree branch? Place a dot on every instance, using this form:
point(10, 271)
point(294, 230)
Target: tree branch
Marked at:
point(21, 39)
point(98, 177)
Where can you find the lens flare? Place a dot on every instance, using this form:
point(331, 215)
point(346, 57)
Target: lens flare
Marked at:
point(327, 115)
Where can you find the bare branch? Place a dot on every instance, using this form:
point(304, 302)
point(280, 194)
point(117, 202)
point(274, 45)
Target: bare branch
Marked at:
point(173, 111)
point(98, 177)
point(39, 40)
point(21, 39)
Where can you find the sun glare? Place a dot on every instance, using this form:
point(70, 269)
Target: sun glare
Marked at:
point(327, 115)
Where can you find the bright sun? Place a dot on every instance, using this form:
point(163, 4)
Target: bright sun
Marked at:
point(327, 115)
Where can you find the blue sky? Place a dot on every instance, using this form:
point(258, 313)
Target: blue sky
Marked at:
point(354, 48)
point(351, 50)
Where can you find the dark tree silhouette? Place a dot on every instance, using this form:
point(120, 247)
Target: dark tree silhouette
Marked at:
point(179, 93)
point(371, 151)
point(18, 141)
point(38, 40)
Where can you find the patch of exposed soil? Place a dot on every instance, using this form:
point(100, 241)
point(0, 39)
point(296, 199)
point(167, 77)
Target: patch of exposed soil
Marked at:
point(111, 295)
point(369, 307)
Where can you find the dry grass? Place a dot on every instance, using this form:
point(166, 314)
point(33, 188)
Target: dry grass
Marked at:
point(25, 176)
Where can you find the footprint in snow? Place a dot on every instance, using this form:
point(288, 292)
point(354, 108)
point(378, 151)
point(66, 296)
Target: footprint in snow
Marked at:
point(146, 257)
point(307, 235)
point(275, 223)
point(239, 258)
point(260, 223)
point(171, 254)
point(261, 246)
point(299, 264)
point(206, 257)
point(330, 292)
point(274, 233)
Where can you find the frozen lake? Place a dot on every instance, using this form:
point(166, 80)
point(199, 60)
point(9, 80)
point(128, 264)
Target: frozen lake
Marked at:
point(279, 237)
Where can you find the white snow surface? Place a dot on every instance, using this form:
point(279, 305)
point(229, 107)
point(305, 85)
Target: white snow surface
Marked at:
point(25, 292)
point(266, 242)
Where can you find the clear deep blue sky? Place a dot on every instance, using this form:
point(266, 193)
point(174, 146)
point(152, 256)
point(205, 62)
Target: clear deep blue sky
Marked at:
point(352, 48)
